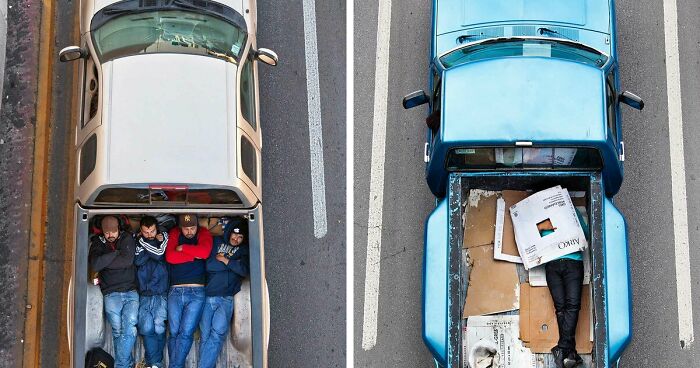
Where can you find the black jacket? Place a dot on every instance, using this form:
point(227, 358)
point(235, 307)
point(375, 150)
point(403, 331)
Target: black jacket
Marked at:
point(114, 263)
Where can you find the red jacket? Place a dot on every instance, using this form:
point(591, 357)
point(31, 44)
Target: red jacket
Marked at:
point(189, 252)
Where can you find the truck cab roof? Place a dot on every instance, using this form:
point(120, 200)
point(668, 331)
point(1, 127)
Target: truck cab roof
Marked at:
point(501, 101)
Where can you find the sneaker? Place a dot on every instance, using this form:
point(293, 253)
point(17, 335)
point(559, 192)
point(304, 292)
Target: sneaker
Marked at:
point(558, 356)
point(572, 360)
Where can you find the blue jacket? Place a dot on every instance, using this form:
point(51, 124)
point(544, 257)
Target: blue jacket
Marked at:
point(152, 271)
point(223, 279)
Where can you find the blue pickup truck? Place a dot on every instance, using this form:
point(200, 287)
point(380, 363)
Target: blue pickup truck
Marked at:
point(511, 80)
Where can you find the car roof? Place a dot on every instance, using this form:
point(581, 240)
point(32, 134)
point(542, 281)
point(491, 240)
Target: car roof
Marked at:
point(538, 99)
point(170, 118)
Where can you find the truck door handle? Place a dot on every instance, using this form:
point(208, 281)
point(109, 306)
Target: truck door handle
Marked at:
point(426, 158)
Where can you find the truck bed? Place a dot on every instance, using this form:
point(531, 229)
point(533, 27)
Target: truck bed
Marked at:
point(91, 329)
point(460, 185)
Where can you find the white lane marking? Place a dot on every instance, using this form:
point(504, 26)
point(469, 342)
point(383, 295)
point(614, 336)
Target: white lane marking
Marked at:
point(313, 91)
point(680, 209)
point(376, 184)
point(349, 185)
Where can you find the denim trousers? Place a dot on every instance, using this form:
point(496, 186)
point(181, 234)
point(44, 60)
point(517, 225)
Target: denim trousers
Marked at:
point(214, 326)
point(564, 278)
point(122, 310)
point(153, 312)
point(185, 304)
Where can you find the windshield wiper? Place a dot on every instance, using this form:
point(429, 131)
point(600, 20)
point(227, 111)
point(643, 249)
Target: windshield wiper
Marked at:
point(116, 11)
point(543, 30)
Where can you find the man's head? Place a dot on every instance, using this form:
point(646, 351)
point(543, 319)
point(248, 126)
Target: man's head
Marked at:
point(149, 227)
point(188, 225)
point(110, 228)
point(238, 231)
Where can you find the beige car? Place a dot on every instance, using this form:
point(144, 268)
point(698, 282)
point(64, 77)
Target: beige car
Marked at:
point(169, 124)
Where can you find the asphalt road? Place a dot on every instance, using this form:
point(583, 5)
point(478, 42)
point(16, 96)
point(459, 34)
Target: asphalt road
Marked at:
point(306, 275)
point(645, 197)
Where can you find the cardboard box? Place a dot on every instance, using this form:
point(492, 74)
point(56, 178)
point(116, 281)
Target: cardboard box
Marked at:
point(479, 218)
point(493, 285)
point(538, 321)
point(551, 206)
point(505, 247)
point(501, 331)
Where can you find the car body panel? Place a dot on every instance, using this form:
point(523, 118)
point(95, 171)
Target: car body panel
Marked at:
point(618, 281)
point(435, 313)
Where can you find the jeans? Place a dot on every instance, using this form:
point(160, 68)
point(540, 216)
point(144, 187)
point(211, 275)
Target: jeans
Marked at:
point(152, 316)
point(214, 326)
point(564, 278)
point(122, 310)
point(185, 304)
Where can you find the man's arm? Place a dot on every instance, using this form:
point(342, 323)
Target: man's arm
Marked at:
point(99, 257)
point(213, 264)
point(172, 256)
point(125, 253)
point(203, 247)
point(240, 266)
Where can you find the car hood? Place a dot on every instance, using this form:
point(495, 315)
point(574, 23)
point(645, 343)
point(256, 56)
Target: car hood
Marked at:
point(170, 118)
point(455, 15)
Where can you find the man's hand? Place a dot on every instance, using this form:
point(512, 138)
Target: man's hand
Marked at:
point(159, 237)
point(221, 258)
point(179, 248)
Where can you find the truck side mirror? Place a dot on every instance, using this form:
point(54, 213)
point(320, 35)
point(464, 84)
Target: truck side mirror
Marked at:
point(267, 56)
point(632, 100)
point(414, 99)
point(71, 53)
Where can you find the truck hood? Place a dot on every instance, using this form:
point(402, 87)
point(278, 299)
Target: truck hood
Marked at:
point(170, 118)
point(543, 100)
point(455, 15)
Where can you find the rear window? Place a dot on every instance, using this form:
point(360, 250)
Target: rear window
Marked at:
point(504, 158)
point(146, 196)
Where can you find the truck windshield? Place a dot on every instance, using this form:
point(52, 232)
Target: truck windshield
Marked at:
point(500, 48)
point(169, 31)
point(500, 158)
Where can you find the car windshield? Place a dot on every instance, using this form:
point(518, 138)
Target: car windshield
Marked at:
point(504, 158)
point(169, 31)
point(499, 48)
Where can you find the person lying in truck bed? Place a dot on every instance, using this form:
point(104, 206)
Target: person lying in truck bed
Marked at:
point(565, 279)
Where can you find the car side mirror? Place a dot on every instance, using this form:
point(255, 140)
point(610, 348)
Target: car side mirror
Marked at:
point(632, 100)
point(267, 56)
point(414, 99)
point(71, 53)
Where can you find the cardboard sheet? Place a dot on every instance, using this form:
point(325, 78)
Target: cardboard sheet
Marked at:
point(501, 331)
point(538, 322)
point(480, 218)
point(505, 247)
point(493, 285)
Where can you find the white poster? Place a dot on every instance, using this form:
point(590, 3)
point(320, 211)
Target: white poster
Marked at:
point(546, 227)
